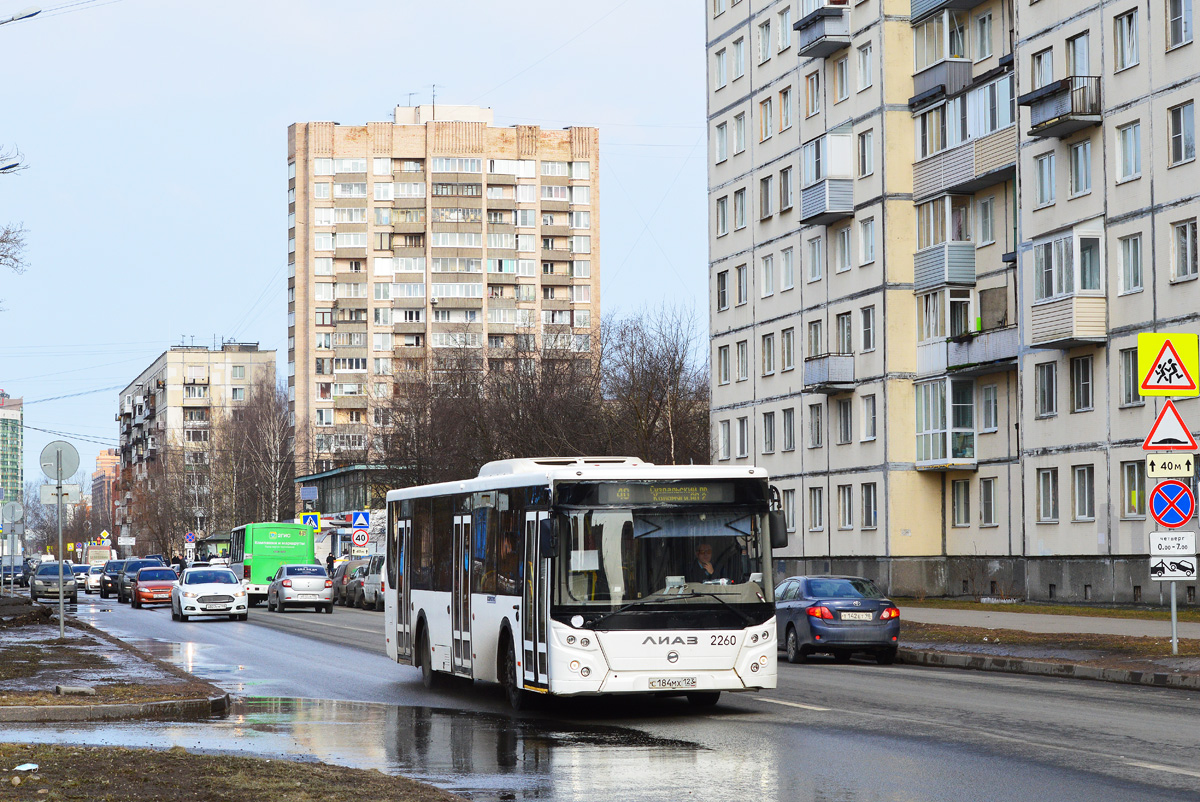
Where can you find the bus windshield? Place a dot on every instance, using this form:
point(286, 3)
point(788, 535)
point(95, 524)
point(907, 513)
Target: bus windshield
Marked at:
point(611, 557)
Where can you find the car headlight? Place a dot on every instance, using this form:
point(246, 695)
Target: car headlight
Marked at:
point(237, 594)
point(38, 582)
point(187, 594)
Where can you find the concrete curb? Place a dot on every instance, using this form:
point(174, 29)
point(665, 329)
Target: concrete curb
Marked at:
point(172, 709)
point(1013, 665)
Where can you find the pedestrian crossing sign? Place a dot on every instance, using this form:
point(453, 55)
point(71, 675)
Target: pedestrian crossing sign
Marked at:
point(312, 519)
point(1168, 364)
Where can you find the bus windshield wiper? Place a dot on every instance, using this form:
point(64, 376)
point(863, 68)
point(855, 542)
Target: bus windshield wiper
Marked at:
point(672, 597)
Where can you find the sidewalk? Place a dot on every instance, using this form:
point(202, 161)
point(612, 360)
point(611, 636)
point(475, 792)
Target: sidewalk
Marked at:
point(990, 651)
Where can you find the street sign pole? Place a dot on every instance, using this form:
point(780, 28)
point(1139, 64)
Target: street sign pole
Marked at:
point(1174, 626)
point(58, 458)
point(58, 494)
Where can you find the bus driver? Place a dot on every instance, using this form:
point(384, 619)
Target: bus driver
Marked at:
point(702, 568)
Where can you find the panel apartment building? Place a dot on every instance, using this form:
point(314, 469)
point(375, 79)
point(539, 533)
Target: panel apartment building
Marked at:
point(173, 402)
point(923, 315)
point(412, 240)
point(12, 447)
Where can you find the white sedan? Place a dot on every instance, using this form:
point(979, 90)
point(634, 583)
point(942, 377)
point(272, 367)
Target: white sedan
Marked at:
point(208, 591)
point(94, 575)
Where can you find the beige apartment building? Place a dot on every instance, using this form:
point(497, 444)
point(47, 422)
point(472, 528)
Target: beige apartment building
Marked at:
point(908, 300)
point(173, 402)
point(412, 240)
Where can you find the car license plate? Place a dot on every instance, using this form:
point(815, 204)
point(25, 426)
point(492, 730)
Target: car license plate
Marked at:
point(216, 607)
point(857, 616)
point(308, 595)
point(670, 683)
point(160, 595)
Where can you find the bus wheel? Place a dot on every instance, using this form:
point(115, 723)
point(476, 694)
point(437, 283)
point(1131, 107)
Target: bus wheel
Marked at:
point(429, 677)
point(512, 687)
point(704, 698)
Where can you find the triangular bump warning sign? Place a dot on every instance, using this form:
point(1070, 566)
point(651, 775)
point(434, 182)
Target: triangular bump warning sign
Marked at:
point(1169, 432)
point(1169, 372)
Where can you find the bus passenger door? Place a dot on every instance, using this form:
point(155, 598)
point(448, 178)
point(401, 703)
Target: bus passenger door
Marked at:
point(536, 602)
point(403, 608)
point(461, 597)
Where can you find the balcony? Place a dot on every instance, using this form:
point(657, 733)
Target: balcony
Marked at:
point(1069, 322)
point(920, 9)
point(827, 201)
point(947, 263)
point(945, 418)
point(951, 75)
point(829, 373)
point(824, 31)
point(1063, 107)
point(969, 167)
point(931, 358)
point(983, 352)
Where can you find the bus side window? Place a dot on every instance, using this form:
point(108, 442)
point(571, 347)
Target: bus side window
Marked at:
point(421, 558)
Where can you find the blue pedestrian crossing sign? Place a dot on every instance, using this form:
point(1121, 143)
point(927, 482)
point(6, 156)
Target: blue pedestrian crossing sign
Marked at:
point(312, 519)
point(361, 520)
point(1172, 503)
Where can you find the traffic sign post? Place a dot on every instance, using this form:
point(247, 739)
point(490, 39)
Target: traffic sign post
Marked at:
point(1168, 364)
point(1172, 503)
point(59, 459)
point(1172, 557)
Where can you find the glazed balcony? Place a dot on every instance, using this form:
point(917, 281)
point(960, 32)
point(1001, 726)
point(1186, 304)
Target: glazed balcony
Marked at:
point(827, 201)
point(920, 9)
point(943, 264)
point(824, 32)
point(829, 373)
point(1069, 322)
point(1063, 107)
point(969, 167)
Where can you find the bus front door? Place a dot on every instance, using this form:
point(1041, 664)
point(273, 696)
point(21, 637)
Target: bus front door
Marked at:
point(461, 597)
point(403, 621)
point(536, 601)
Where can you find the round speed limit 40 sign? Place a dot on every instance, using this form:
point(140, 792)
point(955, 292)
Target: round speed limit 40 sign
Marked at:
point(360, 537)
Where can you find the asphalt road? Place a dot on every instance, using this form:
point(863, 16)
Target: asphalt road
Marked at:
point(829, 732)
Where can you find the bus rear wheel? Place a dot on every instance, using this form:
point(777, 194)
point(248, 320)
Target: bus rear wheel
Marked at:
point(704, 698)
point(429, 677)
point(512, 683)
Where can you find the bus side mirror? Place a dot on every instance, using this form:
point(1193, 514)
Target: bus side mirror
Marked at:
point(779, 535)
point(547, 544)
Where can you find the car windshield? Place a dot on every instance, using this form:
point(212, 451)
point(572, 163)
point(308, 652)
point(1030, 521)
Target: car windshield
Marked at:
point(305, 570)
point(210, 578)
point(48, 569)
point(114, 567)
point(842, 588)
point(614, 556)
point(97, 569)
point(156, 575)
point(133, 566)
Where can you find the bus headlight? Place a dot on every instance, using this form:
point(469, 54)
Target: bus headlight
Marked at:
point(574, 665)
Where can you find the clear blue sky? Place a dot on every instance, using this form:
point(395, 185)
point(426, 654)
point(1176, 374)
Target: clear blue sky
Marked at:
point(156, 137)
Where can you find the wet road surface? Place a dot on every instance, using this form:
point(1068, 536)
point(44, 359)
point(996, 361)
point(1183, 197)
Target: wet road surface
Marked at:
point(830, 732)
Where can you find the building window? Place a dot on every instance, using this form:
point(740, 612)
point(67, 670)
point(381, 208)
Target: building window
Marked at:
point(866, 153)
point(743, 360)
point(721, 140)
point(766, 119)
point(743, 437)
point(1081, 168)
point(816, 509)
point(865, 77)
point(841, 249)
point(815, 339)
point(768, 354)
point(768, 432)
point(722, 216)
point(1183, 133)
point(868, 407)
point(1131, 263)
point(961, 501)
point(1044, 165)
point(845, 431)
point(987, 502)
point(983, 36)
point(1129, 151)
point(764, 42)
point(1126, 32)
point(815, 429)
point(789, 268)
point(789, 429)
point(723, 364)
point(1183, 247)
point(787, 349)
point(845, 506)
point(841, 80)
point(812, 94)
point(868, 328)
point(723, 437)
point(1046, 388)
point(785, 109)
point(743, 289)
point(766, 192)
point(1042, 68)
point(739, 133)
point(1179, 22)
point(987, 220)
point(739, 209)
point(1081, 384)
point(866, 241)
point(785, 29)
point(845, 333)
point(1133, 489)
point(1129, 378)
point(789, 509)
point(814, 259)
point(739, 58)
point(785, 189)
point(870, 506)
point(722, 290)
point(1083, 486)
point(722, 68)
point(1047, 500)
point(989, 413)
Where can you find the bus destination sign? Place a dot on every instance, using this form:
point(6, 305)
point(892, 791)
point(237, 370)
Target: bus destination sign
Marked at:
point(665, 493)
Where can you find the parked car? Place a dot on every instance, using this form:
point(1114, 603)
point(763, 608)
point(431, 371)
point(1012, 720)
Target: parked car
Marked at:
point(300, 586)
point(129, 572)
point(372, 588)
point(208, 591)
point(110, 578)
point(45, 583)
point(94, 575)
point(152, 585)
point(837, 615)
point(342, 572)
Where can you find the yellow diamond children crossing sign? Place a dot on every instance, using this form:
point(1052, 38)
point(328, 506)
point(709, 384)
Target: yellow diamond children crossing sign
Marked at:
point(1168, 364)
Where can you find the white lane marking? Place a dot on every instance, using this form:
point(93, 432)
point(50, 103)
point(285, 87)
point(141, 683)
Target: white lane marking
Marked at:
point(790, 704)
point(1160, 767)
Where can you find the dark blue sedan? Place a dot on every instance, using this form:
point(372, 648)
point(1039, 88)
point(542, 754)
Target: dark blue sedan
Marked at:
point(836, 615)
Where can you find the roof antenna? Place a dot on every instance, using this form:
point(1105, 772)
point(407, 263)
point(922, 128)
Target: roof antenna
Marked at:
point(434, 101)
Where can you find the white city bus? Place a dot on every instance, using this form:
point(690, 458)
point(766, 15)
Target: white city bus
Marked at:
point(581, 576)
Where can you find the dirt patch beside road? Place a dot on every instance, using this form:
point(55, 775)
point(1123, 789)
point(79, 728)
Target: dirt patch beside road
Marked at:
point(113, 774)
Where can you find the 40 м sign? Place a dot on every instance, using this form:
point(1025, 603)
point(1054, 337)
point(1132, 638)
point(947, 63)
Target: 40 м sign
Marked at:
point(1172, 503)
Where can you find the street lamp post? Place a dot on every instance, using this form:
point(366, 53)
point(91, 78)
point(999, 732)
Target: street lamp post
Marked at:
point(24, 13)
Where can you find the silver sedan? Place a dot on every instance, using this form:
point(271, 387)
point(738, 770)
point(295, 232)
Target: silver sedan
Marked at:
point(300, 586)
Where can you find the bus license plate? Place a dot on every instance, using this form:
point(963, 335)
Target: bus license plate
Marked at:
point(857, 616)
point(670, 683)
